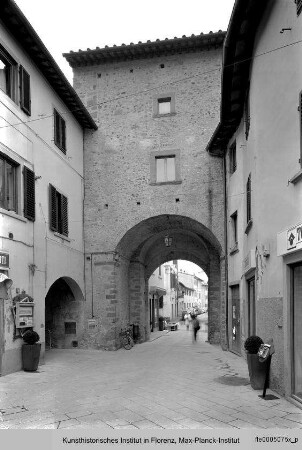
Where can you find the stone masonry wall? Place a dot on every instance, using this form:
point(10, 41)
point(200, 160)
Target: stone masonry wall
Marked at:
point(119, 192)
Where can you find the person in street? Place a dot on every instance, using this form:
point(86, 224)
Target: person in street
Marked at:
point(187, 320)
point(195, 327)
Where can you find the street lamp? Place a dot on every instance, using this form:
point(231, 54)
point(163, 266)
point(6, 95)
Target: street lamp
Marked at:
point(168, 241)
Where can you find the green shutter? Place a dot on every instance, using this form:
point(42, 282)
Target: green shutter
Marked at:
point(29, 194)
point(53, 216)
point(64, 205)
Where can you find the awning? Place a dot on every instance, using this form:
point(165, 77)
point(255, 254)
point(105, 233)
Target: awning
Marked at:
point(157, 290)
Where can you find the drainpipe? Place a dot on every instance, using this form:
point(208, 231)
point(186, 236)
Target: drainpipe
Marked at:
point(226, 252)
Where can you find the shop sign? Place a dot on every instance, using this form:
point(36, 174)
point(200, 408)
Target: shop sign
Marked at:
point(294, 237)
point(4, 260)
point(289, 240)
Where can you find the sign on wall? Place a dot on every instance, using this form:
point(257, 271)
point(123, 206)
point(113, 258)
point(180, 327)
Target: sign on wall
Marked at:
point(289, 240)
point(294, 237)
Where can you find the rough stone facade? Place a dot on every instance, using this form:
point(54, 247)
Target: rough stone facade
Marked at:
point(127, 214)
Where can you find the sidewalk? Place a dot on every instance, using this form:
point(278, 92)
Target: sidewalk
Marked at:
point(166, 383)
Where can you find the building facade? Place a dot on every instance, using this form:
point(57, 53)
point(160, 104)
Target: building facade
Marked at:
point(152, 192)
point(259, 138)
point(41, 193)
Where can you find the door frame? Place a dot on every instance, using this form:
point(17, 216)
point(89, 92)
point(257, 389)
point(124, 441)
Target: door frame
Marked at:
point(232, 349)
point(291, 319)
point(249, 279)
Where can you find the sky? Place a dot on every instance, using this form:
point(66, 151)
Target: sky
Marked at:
point(65, 25)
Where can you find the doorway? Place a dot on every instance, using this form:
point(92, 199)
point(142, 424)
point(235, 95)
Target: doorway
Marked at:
point(251, 306)
point(297, 331)
point(236, 329)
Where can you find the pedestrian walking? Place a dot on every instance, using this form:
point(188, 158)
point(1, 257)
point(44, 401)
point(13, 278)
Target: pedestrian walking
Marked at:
point(195, 327)
point(187, 320)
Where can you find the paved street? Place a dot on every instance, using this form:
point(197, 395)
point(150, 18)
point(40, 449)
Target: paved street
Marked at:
point(167, 383)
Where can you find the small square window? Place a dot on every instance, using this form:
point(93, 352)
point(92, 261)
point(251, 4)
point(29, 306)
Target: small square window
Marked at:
point(59, 131)
point(164, 105)
point(165, 168)
point(70, 328)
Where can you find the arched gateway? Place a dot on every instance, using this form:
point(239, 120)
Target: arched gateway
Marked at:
point(120, 277)
point(147, 173)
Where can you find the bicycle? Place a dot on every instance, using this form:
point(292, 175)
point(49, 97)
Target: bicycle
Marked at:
point(126, 338)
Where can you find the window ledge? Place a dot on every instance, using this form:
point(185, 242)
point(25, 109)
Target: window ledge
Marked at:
point(249, 226)
point(12, 214)
point(164, 115)
point(234, 249)
point(161, 183)
point(61, 236)
point(297, 177)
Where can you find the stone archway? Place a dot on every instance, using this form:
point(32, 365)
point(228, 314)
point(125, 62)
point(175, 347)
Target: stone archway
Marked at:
point(64, 314)
point(120, 277)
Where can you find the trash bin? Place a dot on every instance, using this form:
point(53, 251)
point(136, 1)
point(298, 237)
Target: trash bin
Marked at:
point(135, 332)
point(161, 323)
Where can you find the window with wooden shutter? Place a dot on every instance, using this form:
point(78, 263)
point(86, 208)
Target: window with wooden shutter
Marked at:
point(247, 117)
point(300, 119)
point(58, 211)
point(59, 131)
point(232, 158)
point(24, 90)
point(29, 194)
point(64, 206)
point(248, 199)
point(52, 208)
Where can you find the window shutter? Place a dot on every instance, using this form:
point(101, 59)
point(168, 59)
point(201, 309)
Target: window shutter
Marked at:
point(248, 200)
point(24, 90)
point(57, 128)
point(53, 219)
point(29, 194)
point(247, 112)
point(64, 204)
point(63, 136)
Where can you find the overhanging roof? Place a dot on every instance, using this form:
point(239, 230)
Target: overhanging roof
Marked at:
point(148, 49)
point(237, 59)
point(16, 23)
point(157, 290)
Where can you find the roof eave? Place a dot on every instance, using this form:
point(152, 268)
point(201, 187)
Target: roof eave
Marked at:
point(237, 59)
point(145, 50)
point(18, 25)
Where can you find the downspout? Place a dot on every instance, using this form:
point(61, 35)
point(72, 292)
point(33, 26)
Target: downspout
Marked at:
point(226, 252)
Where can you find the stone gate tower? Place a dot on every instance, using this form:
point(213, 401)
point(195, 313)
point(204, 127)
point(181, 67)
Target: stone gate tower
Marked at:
point(148, 175)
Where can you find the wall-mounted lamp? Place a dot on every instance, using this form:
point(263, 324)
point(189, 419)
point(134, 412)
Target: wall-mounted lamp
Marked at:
point(168, 241)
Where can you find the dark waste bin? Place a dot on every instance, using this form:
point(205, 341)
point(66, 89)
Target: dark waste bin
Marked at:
point(135, 332)
point(161, 321)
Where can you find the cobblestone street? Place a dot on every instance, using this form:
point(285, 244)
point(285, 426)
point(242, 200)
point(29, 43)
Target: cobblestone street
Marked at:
point(167, 383)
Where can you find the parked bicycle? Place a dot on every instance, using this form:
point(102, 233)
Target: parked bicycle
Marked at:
point(126, 338)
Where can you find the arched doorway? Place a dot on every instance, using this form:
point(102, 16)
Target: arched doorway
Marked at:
point(64, 314)
point(119, 279)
